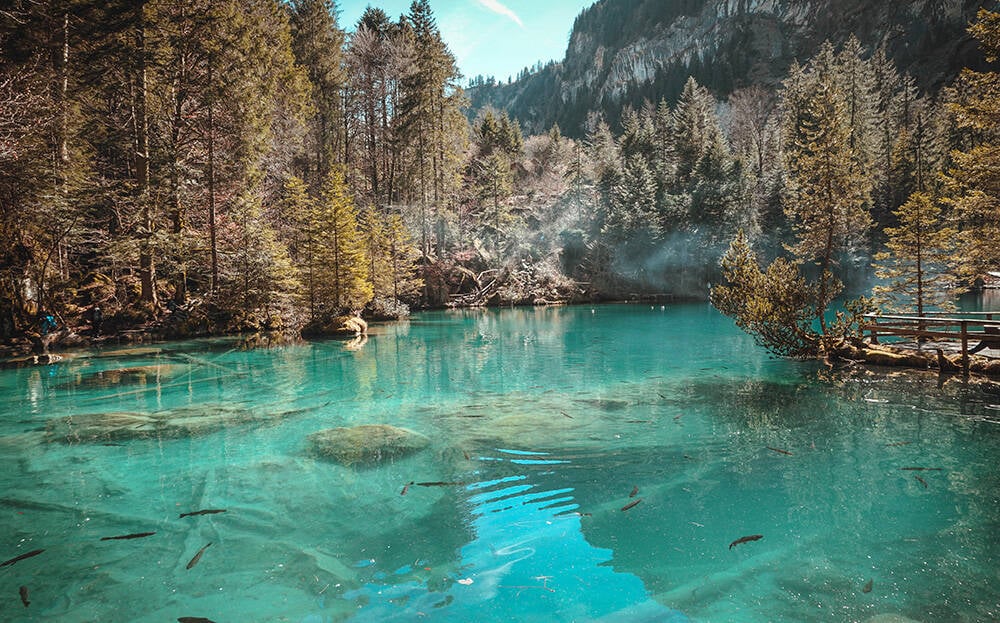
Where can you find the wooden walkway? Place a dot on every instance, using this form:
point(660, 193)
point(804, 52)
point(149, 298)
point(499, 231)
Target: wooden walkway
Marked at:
point(974, 331)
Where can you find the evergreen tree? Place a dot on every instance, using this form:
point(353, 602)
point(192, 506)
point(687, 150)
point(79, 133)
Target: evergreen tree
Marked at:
point(918, 263)
point(259, 277)
point(431, 119)
point(317, 44)
point(335, 266)
point(827, 193)
point(776, 306)
point(695, 130)
point(973, 181)
point(403, 255)
point(632, 204)
point(296, 206)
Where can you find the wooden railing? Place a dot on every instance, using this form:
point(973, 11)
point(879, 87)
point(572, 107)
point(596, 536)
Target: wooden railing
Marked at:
point(971, 327)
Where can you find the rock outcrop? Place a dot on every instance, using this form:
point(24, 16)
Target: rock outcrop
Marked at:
point(624, 51)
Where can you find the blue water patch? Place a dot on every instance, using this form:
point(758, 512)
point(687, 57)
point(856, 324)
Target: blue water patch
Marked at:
point(575, 493)
point(522, 452)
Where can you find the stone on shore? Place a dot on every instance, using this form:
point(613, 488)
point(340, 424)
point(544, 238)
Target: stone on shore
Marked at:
point(337, 326)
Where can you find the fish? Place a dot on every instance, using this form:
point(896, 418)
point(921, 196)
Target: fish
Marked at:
point(197, 556)
point(631, 504)
point(897, 444)
point(406, 488)
point(136, 535)
point(868, 587)
point(922, 469)
point(194, 620)
point(207, 511)
point(438, 483)
point(780, 451)
point(635, 491)
point(921, 481)
point(566, 414)
point(24, 596)
point(746, 539)
point(33, 552)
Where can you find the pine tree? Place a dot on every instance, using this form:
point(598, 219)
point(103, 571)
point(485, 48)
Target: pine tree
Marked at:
point(403, 255)
point(431, 120)
point(317, 44)
point(973, 182)
point(259, 276)
point(775, 306)
point(918, 263)
point(336, 267)
point(695, 129)
point(827, 193)
point(297, 206)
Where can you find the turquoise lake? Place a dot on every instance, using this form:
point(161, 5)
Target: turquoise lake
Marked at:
point(584, 464)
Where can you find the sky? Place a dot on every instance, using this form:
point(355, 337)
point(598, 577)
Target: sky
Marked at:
point(495, 38)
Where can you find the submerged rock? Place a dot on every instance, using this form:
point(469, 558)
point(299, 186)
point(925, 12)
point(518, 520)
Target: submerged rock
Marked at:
point(177, 423)
point(368, 443)
point(890, 618)
point(138, 375)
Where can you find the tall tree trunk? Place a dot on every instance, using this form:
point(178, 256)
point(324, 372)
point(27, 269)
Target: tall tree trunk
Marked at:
point(63, 95)
point(177, 210)
point(147, 269)
point(212, 233)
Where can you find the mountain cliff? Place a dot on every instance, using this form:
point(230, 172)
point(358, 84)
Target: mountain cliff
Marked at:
point(622, 52)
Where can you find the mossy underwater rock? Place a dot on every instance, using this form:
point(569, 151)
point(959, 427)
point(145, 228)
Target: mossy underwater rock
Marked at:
point(368, 443)
point(178, 423)
point(890, 618)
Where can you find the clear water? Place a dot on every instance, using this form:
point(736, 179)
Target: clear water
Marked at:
point(545, 421)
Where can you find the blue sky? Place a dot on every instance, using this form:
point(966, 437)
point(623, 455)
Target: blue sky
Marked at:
point(490, 37)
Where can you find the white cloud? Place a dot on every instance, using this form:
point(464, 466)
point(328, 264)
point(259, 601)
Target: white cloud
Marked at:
point(497, 7)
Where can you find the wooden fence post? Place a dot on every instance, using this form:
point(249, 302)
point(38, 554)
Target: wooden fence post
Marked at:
point(965, 348)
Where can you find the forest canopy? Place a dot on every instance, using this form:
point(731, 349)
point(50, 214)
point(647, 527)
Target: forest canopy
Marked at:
point(210, 166)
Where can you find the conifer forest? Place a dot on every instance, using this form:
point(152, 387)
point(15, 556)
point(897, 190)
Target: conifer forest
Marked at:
point(200, 167)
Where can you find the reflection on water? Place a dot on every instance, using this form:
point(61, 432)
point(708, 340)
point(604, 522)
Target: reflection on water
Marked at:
point(540, 429)
point(528, 559)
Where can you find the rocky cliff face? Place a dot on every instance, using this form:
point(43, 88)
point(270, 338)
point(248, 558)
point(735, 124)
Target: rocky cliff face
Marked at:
point(624, 51)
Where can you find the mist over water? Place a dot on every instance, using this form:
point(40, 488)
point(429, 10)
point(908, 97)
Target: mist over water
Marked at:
point(541, 426)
